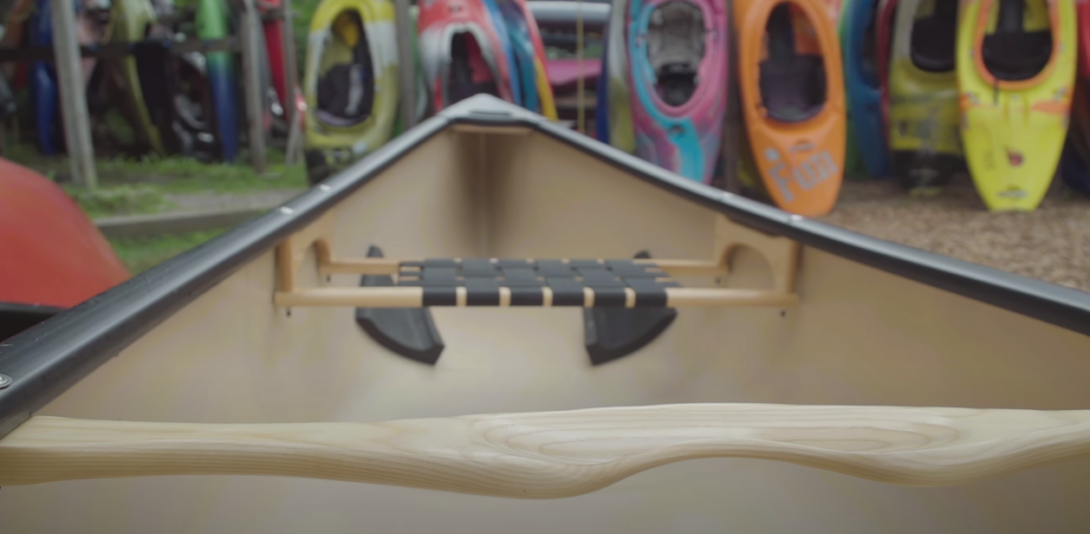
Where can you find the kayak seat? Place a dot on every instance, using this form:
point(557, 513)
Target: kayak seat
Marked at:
point(1017, 56)
point(676, 82)
point(934, 42)
point(793, 88)
point(345, 95)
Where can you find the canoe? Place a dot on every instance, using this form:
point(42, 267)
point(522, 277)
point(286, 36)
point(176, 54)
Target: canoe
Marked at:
point(792, 92)
point(54, 257)
point(1016, 73)
point(528, 55)
point(883, 38)
point(462, 52)
point(350, 82)
point(828, 383)
point(861, 82)
point(213, 22)
point(925, 134)
point(678, 54)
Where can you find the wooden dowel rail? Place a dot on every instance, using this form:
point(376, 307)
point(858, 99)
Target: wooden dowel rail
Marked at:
point(378, 266)
point(413, 297)
point(550, 455)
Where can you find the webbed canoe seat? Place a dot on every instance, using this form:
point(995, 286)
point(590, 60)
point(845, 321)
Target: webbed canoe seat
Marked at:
point(627, 302)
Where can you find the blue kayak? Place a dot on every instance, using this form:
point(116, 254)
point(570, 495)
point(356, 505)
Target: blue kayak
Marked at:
point(861, 83)
point(509, 49)
point(43, 80)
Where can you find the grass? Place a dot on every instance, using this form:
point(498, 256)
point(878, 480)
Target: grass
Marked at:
point(131, 186)
point(142, 253)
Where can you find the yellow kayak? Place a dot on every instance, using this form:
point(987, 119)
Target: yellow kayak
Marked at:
point(1016, 70)
point(350, 83)
point(923, 91)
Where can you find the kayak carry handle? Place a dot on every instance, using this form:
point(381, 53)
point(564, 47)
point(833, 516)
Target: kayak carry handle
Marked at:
point(548, 455)
point(623, 283)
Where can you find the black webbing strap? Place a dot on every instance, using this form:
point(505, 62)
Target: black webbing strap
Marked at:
point(482, 279)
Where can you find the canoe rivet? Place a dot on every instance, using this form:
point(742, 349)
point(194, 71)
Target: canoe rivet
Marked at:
point(286, 210)
point(796, 218)
point(5, 381)
point(324, 187)
point(783, 313)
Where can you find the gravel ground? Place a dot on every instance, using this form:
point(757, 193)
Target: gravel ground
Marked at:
point(223, 201)
point(1051, 244)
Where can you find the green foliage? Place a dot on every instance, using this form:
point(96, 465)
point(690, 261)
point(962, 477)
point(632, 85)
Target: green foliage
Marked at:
point(120, 200)
point(142, 253)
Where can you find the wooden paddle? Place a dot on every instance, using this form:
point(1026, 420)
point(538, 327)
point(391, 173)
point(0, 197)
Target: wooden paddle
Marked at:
point(558, 454)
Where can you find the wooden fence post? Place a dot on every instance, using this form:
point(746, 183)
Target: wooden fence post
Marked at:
point(249, 26)
point(291, 72)
point(406, 67)
point(77, 126)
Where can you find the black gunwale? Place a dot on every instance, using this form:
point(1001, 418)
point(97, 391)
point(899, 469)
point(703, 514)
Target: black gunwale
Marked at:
point(47, 359)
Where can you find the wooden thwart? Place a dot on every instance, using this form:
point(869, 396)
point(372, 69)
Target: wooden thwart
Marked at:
point(558, 454)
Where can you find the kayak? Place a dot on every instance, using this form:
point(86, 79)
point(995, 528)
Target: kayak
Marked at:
point(463, 52)
point(129, 20)
point(350, 82)
point(884, 36)
point(861, 83)
point(853, 161)
point(54, 257)
point(1016, 73)
point(925, 135)
point(528, 53)
point(273, 32)
point(1075, 159)
point(406, 345)
point(678, 52)
point(213, 22)
point(792, 92)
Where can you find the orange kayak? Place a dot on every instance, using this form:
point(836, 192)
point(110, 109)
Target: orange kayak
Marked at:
point(792, 89)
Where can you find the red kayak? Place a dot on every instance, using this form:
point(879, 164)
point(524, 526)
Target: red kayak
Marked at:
point(887, 11)
point(52, 255)
point(274, 46)
point(461, 52)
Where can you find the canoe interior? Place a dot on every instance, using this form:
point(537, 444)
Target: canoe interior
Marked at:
point(859, 336)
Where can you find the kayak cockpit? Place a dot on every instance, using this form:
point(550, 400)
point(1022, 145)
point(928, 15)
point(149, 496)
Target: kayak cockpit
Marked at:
point(1014, 52)
point(934, 37)
point(793, 85)
point(675, 48)
point(470, 71)
point(346, 81)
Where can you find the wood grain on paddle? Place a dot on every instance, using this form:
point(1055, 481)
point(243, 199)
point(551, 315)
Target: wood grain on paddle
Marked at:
point(558, 454)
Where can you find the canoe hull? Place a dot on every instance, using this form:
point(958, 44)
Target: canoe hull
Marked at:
point(864, 95)
point(873, 327)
